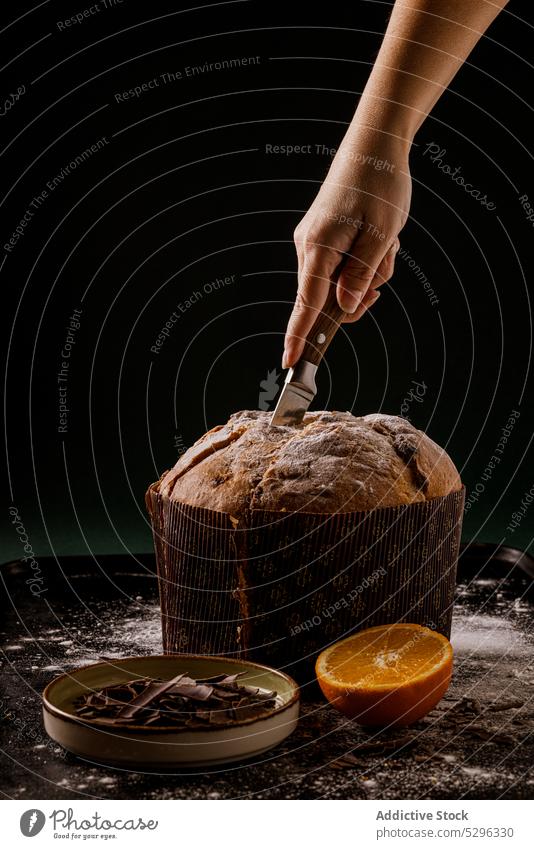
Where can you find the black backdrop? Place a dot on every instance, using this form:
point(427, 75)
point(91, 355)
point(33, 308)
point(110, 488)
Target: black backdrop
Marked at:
point(180, 191)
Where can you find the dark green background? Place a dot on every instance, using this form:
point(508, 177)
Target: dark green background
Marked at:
point(186, 194)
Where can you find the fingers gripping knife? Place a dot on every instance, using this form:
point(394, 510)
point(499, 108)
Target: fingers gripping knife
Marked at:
point(299, 389)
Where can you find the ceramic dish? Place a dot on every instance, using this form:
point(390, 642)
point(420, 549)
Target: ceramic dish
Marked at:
point(136, 745)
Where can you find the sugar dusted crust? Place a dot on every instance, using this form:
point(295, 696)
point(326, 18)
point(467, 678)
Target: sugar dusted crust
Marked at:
point(332, 463)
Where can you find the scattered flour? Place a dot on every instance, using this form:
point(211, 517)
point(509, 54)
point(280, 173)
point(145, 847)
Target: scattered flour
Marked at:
point(479, 773)
point(481, 634)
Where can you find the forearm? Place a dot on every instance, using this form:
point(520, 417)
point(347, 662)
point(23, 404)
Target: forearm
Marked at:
point(425, 44)
point(352, 227)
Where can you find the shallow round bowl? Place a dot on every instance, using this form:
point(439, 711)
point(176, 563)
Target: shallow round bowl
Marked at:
point(167, 747)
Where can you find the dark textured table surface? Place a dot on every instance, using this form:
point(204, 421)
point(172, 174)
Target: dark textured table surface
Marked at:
point(478, 743)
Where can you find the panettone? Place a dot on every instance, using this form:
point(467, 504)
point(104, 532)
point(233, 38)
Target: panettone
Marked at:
point(272, 542)
point(331, 463)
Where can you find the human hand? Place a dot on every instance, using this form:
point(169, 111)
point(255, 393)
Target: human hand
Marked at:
point(354, 221)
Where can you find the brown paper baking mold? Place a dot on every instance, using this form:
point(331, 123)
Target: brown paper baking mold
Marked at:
point(282, 587)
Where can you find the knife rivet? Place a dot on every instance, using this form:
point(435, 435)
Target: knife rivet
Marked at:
point(320, 338)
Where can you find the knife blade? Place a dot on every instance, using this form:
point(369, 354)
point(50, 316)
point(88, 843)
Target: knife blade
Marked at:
point(299, 388)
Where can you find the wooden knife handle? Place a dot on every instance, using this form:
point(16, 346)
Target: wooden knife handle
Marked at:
point(324, 327)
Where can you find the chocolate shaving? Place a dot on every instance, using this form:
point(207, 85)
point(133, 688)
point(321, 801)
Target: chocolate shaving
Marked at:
point(506, 705)
point(192, 690)
point(149, 694)
point(181, 702)
point(221, 679)
point(379, 747)
point(345, 762)
point(383, 746)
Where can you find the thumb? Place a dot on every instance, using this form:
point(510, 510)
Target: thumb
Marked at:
point(358, 272)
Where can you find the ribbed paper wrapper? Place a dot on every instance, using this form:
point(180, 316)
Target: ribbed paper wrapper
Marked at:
point(284, 586)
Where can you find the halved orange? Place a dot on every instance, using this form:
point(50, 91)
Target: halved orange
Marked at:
point(388, 675)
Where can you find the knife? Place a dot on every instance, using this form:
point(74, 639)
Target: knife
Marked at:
point(299, 388)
